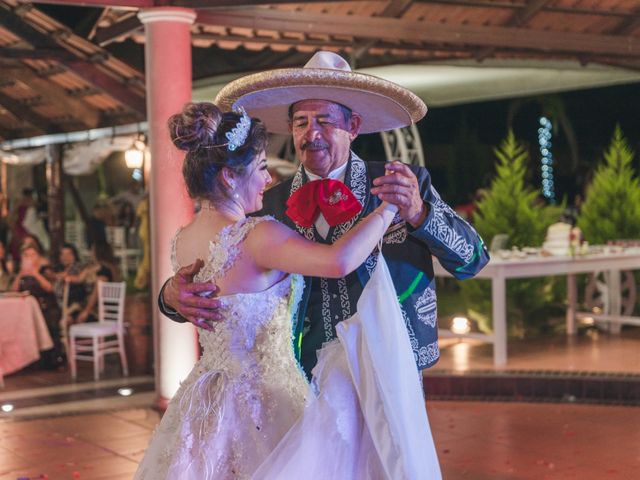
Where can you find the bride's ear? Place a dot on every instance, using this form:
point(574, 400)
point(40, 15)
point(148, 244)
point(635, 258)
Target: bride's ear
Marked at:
point(228, 178)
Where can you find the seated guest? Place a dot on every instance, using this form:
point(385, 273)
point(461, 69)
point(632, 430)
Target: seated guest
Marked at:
point(36, 277)
point(6, 269)
point(105, 269)
point(67, 271)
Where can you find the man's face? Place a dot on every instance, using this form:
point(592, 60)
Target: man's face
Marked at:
point(321, 135)
point(67, 257)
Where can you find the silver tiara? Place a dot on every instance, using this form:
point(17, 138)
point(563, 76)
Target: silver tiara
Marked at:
point(238, 135)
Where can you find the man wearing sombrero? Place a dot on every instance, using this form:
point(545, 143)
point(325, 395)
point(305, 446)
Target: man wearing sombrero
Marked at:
point(325, 105)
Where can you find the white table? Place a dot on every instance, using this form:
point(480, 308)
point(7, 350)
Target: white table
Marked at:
point(23, 333)
point(500, 270)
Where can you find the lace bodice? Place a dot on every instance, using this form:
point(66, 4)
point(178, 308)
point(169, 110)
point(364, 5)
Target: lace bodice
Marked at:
point(252, 344)
point(255, 326)
point(246, 390)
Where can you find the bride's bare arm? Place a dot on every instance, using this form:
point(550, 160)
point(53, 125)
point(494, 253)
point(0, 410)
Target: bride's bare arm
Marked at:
point(275, 246)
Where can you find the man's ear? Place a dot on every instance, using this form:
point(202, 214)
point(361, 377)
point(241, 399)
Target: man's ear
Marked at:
point(354, 125)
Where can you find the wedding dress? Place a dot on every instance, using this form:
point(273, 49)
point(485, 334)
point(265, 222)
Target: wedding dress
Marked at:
point(241, 413)
point(244, 393)
point(367, 420)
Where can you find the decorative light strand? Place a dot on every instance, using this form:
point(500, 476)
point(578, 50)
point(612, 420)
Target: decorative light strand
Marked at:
point(544, 141)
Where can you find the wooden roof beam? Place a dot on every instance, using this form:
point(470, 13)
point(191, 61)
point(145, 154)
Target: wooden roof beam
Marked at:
point(5, 134)
point(104, 36)
point(19, 111)
point(427, 32)
point(81, 67)
point(213, 4)
point(628, 25)
point(577, 10)
point(394, 9)
point(131, 4)
point(518, 19)
point(32, 54)
point(58, 96)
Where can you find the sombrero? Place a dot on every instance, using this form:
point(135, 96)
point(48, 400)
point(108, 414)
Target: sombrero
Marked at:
point(383, 105)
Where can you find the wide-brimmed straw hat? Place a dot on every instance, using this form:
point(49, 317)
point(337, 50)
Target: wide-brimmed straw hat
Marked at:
point(383, 105)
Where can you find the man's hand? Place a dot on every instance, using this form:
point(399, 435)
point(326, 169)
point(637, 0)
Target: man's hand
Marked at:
point(195, 302)
point(400, 188)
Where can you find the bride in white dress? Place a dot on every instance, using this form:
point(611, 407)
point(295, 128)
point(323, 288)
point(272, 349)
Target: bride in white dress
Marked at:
point(247, 392)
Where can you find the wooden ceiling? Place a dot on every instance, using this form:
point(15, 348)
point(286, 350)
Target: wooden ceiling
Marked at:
point(65, 68)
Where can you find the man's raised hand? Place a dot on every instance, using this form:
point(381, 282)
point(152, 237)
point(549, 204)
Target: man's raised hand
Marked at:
point(400, 188)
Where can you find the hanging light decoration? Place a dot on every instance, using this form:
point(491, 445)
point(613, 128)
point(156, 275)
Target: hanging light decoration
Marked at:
point(134, 156)
point(544, 141)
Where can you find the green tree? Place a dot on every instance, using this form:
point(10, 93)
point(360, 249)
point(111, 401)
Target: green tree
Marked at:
point(611, 209)
point(513, 208)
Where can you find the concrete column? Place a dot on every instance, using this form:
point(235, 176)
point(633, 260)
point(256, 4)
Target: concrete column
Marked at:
point(168, 84)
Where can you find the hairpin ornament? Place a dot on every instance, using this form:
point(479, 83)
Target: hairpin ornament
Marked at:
point(238, 135)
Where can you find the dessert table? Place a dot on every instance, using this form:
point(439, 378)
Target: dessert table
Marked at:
point(499, 270)
point(23, 332)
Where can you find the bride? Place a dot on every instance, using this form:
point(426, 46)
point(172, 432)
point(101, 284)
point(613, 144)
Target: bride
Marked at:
point(246, 409)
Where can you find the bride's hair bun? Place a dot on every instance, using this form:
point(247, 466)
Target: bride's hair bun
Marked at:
point(195, 126)
point(200, 129)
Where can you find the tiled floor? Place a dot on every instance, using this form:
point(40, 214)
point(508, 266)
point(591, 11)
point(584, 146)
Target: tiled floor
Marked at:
point(590, 351)
point(474, 440)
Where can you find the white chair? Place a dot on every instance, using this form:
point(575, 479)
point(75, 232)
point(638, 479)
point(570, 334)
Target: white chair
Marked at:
point(92, 341)
point(74, 234)
point(65, 319)
point(117, 238)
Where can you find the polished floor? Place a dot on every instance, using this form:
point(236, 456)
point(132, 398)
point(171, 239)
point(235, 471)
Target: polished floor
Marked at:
point(474, 440)
point(87, 430)
point(592, 350)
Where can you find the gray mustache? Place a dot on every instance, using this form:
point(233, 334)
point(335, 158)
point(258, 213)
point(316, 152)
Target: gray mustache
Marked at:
point(317, 144)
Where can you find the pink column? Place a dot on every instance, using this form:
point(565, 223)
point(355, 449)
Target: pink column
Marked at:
point(168, 82)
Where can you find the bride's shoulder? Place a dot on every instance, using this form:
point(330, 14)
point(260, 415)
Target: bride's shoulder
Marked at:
point(175, 264)
point(266, 231)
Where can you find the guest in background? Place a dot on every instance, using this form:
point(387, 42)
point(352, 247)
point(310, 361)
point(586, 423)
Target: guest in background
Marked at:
point(4, 219)
point(30, 240)
point(34, 222)
point(36, 277)
point(126, 218)
point(104, 269)
point(97, 225)
point(6, 269)
point(66, 271)
point(16, 220)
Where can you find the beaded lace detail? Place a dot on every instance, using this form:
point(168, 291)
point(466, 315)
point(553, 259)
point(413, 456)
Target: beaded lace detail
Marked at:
point(246, 390)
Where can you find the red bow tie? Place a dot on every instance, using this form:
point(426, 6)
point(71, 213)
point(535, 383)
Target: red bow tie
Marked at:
point(331, 197)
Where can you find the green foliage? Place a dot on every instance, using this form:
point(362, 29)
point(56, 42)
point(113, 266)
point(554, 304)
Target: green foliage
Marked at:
point(512, 207)
point(509, 205)
point(611, 209)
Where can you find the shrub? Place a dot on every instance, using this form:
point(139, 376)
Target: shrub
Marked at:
point(511, 207)
point(611, 209)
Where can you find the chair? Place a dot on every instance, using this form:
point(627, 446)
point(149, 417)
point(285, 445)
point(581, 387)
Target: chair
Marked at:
point(74, 233)
point(117, 238)
point(92, 341)
point(64, 318)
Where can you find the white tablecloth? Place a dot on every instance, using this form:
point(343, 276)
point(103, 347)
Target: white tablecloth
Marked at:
point(500, 270)
point(23, 333)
